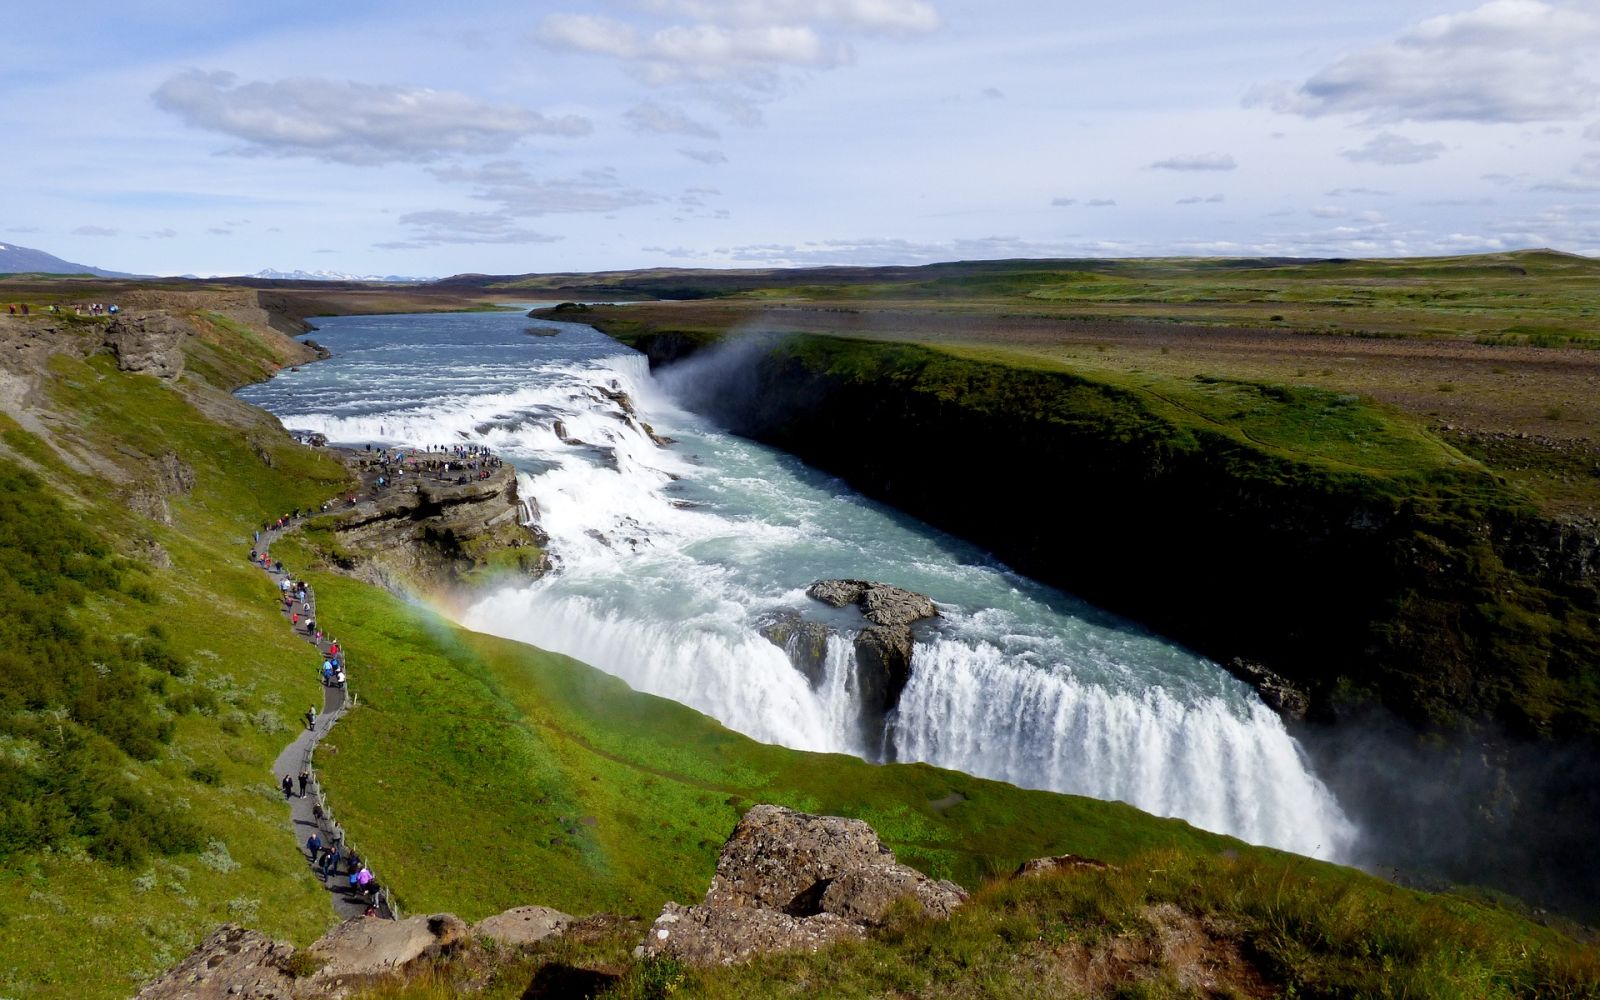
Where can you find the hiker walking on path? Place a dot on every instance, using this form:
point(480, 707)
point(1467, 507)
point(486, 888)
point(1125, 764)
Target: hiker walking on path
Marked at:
point(288, 787)
point(311, 723)
point(305, 776)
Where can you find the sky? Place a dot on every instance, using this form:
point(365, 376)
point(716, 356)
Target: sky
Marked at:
point(429, 139)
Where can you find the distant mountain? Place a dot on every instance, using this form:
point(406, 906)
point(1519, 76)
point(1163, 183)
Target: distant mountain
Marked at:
point(393, 279)
point(25, 260)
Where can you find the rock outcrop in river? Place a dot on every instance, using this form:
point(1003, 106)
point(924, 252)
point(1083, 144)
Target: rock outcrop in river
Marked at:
point(883, 648)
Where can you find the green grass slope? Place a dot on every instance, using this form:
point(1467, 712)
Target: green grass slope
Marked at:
point(147, 683)
point(482, 774)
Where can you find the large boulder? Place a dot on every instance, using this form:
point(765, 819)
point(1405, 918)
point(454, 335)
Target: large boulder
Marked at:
point(148, 343)
point(790, 881)
point(231, 963)
point(365, 948)
point(521, 926)
point(704, 935)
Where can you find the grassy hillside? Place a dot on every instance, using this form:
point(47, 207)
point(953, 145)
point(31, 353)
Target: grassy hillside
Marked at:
point(147, 684)
point(1166, 926)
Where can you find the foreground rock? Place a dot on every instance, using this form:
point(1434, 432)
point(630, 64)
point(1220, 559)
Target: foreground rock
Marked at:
point(230, 963)
point(1040, 867)
point(237, 963)
point(521, 926)
point(363, 950)
point(790, 881)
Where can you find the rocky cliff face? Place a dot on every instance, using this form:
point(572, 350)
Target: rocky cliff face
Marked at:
point(435, 537)
point(148, 343)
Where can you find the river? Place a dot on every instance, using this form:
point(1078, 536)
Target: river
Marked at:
point(668, 559)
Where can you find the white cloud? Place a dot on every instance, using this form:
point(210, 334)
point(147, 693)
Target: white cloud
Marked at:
point(695, 52)
point(1394, 150)
point(896, 17)
point(520, 193)
point(1196, 161)
point(438, 226)
point(710, 157)
point(745, 41)
point(349, 122)
point(1215, 199)
point(1063, 202)
point(1504, 61)
point(653, 117)
point(1101, 202)
point(1592, 133)
point(94, 231)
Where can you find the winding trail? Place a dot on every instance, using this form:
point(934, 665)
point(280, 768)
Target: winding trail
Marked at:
point(297, 756)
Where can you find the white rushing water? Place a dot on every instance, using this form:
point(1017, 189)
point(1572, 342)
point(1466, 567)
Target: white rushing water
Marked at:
point(669, 558)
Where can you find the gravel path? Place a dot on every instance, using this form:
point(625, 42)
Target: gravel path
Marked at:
point(298, 755)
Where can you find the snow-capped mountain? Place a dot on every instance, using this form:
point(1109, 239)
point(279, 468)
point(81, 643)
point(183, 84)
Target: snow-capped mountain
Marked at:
point(394, 279)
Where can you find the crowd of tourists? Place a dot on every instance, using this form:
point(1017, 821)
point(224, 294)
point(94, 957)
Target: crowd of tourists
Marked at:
point(91, 309)
point(448, 463)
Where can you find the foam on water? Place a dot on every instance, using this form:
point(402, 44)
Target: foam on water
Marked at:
point(668, 559)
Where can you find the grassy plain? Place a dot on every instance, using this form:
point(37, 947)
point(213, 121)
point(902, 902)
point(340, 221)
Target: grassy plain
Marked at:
point(1486, 360)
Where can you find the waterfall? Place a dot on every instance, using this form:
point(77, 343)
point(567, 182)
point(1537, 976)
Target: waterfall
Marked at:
point(670, 558)
point(1220, 766)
